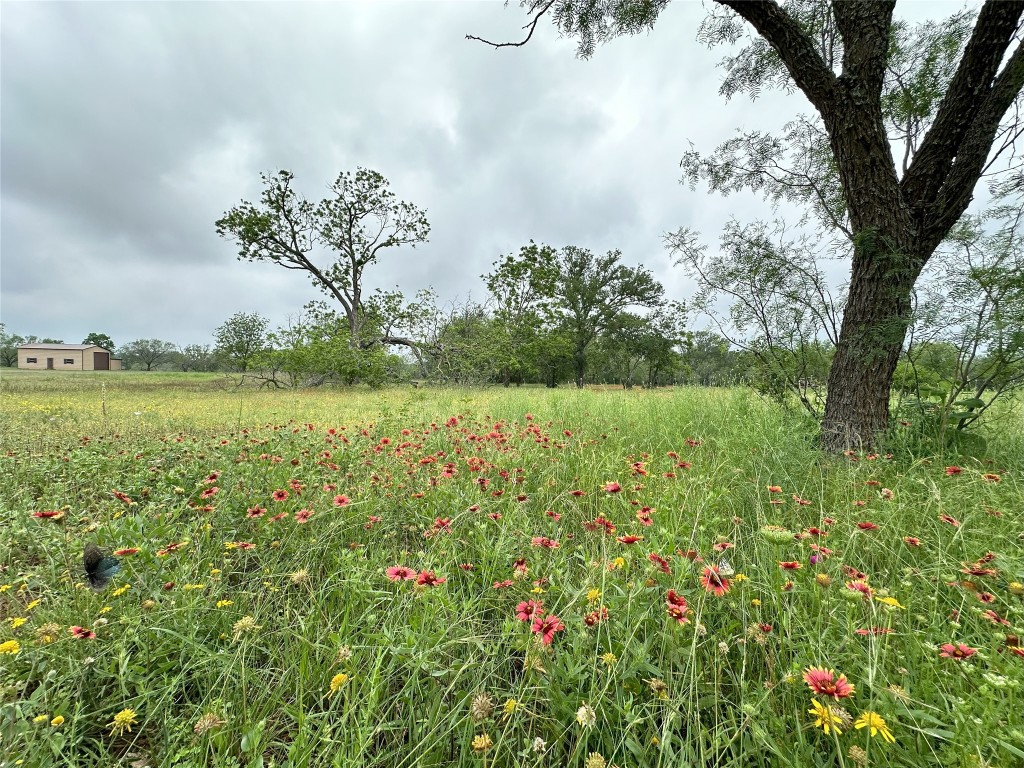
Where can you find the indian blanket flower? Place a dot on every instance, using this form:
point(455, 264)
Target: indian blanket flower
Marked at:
point(823, 682)
point(959, 651)
point(123, 721)
point(126, 551)
point(279, 495)
point(49, 514)
point(660, 562)
point(428, 579)
point(995, 618)
point(611, 487)
point(528, 610)
point(628, 539)
point(713, 581)
point(676, 607)
point(790, 565)
point(828, 718)
point(876, 725)
point(596, 617)
point(860, 588)
point(954, 470)
point(400, 573)
point(544, 542)
point(303, 515)
point(546, 626)
point(82, 633)
point(949, 519)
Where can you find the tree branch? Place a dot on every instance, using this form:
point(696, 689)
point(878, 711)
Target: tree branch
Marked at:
point(864, 28)
point(955, 193)
point(796, 50)
point(958, 112)
point(531, 27)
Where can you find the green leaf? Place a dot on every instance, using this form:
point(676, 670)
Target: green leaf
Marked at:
point(972, 402)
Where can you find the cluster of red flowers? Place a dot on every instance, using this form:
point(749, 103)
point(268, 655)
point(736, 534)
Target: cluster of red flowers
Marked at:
point(545, 626)
point(677, 607)
point(422, 578)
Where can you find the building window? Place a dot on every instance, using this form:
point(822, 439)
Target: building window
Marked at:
point(69, 361)
point(31, 360)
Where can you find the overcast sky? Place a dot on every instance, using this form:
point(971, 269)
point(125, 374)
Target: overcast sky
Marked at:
point(128, 128)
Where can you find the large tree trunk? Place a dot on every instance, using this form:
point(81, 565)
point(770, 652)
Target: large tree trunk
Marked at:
point(875, 322)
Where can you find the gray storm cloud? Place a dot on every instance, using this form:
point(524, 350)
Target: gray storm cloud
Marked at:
point(127, 129)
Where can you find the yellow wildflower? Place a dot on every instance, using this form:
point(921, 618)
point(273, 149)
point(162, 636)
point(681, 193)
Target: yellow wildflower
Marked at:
point(889, 601)
point(609, 659)
point(225, 603)
point(188, 587)
point(10, 647)
point(510, 706)
point(17, 621)
point(876, 725)
point(740, 577)
point(33, 604)
point(40, 718)
point(123, 721)
point(121, 590)
point(57, 722)
point(593, 595)
point(826, 717)
point(338, 681)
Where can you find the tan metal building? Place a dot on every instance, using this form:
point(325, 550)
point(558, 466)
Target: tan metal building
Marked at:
point(66, 357)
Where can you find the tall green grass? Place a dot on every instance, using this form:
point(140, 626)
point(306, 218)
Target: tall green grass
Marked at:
point(427, 672)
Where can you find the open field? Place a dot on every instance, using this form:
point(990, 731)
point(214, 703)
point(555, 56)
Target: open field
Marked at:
point(494, 578)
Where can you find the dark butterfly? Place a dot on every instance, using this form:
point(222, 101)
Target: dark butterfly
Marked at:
point(99, 567)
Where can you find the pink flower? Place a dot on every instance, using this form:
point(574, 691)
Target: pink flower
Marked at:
point(546, 626)
point(81, 633)
point(612, 487)
point(529, 610)
point(341, 500)
point(428, 579)
point(713, 581)
point(400, 573)
point(823, 682)
point(303, 515)
point(958, 651)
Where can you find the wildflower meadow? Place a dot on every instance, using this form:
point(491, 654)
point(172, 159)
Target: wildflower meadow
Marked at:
point(193, 574)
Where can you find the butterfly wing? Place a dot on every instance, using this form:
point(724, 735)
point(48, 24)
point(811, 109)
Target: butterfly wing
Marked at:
point(98, 567)
point(725, 568)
